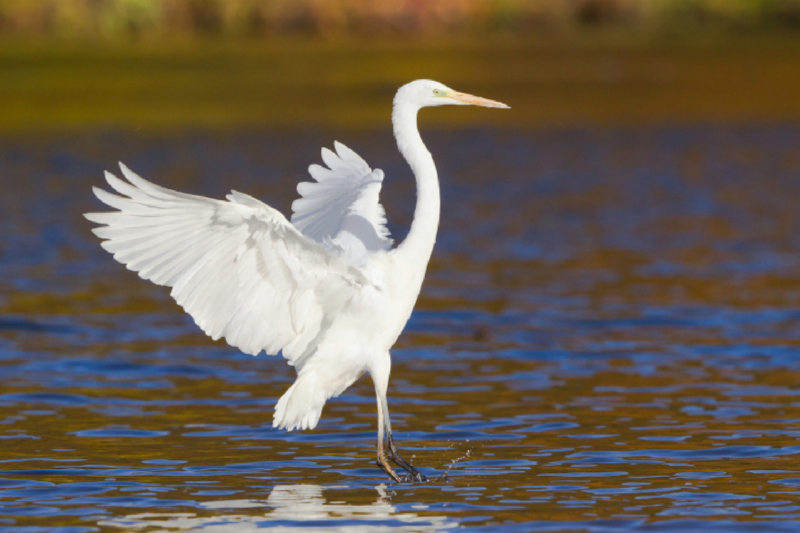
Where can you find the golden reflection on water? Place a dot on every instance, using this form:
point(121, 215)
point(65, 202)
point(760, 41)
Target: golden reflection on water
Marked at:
point(608, 333)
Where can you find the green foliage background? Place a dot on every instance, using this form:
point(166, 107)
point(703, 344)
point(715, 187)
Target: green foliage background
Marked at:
point(247, 18)
point(226, 64)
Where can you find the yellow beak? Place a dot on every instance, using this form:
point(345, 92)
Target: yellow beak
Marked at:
point(469, 99)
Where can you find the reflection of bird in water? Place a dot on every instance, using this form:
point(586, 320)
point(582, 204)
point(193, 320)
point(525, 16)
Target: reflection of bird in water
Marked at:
point(294, 508)
point(326, 290)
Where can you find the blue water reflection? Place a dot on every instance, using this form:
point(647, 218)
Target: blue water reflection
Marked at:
point(607, 341)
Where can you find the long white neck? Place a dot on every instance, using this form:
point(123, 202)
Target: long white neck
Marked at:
point(416, 250)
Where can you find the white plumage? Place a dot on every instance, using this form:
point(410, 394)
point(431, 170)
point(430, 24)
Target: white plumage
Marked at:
point(342, 209)
point(326, 290)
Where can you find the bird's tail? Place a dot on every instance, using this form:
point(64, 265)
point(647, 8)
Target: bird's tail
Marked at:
point(301, 406)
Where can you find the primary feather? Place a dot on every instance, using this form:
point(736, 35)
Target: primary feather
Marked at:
point(238, 267)
point(341, 209)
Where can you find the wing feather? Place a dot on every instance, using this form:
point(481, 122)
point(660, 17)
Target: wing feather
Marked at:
point(238, 267)
point(341, 208)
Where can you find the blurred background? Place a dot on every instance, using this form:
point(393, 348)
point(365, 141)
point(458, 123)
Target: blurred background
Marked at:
point(608, 334)
point(257, 18)
point(175, 64)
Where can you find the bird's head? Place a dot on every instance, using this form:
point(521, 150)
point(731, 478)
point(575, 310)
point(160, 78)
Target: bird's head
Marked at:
point(429, 93)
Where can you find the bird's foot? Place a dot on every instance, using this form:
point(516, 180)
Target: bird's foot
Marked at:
point(383, 464)
point(413, 473)
point(411, 478)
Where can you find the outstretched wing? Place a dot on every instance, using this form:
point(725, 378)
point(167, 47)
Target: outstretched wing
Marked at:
point(239, 268)
point(341, 209)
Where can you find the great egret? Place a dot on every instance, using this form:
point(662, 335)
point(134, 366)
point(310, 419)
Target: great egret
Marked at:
point(326, 290)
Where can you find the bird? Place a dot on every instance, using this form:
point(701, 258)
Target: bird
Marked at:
point(326, 289)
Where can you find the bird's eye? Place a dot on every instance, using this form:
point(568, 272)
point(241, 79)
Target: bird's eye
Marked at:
point(438, 92)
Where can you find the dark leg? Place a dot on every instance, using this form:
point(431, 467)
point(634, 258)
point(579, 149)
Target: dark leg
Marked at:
point(394, 455)
point(381, 380)
point(382, 463)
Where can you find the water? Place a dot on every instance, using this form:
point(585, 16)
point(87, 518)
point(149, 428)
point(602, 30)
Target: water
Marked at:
point(607, 340)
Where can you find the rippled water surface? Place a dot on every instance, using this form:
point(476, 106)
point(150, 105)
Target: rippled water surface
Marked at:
point(607, 340)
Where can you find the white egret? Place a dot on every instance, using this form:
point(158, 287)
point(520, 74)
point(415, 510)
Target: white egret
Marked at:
point(327, 290)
